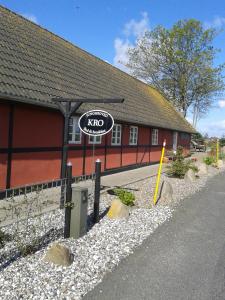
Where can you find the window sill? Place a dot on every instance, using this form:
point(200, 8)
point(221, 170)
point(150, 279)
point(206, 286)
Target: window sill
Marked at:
point(74, 143)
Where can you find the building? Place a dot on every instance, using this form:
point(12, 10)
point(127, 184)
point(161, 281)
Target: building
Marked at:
point(36, 65)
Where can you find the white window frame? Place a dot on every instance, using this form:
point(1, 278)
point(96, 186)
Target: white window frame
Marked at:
point(74, 133)
point(133, 137)
point(117, 129)
point(155, 136)
point(94, 139)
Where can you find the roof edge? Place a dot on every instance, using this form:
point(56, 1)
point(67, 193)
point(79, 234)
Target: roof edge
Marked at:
point(20, 99)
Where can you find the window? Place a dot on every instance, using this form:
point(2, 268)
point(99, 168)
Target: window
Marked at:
point(74, 131)
point(116, 134)
point(184, 136)
point(95, 139)
point(133, 135)
point(155, 136)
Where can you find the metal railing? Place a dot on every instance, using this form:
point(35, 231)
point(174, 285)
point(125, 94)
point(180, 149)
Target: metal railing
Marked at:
point(30, 216)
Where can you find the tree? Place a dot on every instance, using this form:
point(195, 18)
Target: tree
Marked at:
point(197, 136)
point(179, 63)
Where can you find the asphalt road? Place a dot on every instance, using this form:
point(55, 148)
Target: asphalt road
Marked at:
point(183, 259)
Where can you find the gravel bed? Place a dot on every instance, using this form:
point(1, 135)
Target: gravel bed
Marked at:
point(38, 231)
point(144, 190)
point(96, 253)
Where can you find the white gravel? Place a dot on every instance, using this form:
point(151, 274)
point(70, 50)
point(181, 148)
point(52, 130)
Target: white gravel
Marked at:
point(96, 253)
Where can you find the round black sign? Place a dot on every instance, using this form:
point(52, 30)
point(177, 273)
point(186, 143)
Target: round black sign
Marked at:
point(96, 122)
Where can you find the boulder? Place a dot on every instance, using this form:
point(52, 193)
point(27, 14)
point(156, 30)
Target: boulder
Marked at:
point(190, 176)
point(59, 254)
point(166, 193)
point(202, 169)
point(220, 163)
point(118, 210)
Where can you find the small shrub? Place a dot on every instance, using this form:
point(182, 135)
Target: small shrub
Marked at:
point(209, 160)
point(222, 156)
point(180, 166)
point(125, 197)
point(3, 238)
point(28, 249)
point(222, 142)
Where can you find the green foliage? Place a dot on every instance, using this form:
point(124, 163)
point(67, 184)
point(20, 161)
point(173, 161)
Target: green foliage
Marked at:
point(179, 62)
point(180, 166)
point(3, 238)
point(28, 249)
point(222, 156)
point(208, 160)
point(125, 197)
point(190, 165)
point(222, 142)
point(198, 137)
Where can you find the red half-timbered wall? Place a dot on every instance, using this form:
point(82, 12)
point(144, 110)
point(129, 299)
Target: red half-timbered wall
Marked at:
point(31, 146)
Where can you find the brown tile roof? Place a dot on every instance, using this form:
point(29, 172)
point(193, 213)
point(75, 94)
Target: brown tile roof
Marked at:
point(36, 65)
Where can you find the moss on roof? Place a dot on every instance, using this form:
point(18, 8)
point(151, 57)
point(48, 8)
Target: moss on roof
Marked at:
point(37, 65)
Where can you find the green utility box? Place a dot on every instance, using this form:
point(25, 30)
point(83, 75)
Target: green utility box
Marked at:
point(78, 223)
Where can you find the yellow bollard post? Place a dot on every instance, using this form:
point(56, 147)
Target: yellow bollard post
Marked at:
point(217, 151)
point(159, 173)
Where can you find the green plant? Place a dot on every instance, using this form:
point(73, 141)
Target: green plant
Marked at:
point(3, 238)
point(180, 166)
point(222, 156)
point(125, 197)
point(208, 160)
point(27, 249)
point(189, 165)
point(222, 142)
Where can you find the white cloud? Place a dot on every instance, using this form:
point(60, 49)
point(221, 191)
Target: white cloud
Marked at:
point(219, 124)
point(217, 22)
point(31, 18)
point(132, 31)
point(137, 28)
point(216, 129)
point(121, 47)
point(221, 103)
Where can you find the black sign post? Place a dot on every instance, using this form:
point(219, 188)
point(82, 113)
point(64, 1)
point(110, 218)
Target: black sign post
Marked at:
point(67, 108)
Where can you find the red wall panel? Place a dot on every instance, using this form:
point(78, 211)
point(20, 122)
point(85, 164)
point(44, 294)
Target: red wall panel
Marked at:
point(161, 136)
point(37, 127)
point(155, 154)
point(126, 135)
point(113, 158)
point(108, 138)
point(3, 170)
point(143, 135)
point(90, 160)
point(129, 156)
point(35, 167)
point(76, 158)
point(168, 136)
point(143, 154)
point(4, 124)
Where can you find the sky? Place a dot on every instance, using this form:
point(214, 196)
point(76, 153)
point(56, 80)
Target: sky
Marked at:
point(107, 28)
